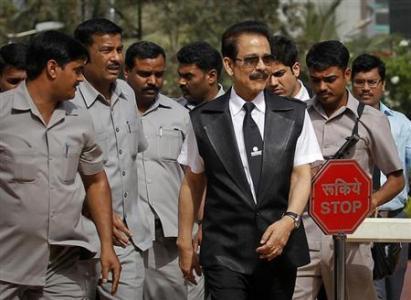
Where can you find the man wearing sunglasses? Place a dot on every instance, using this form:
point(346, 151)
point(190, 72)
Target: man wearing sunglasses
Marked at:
point(286, 70)
point(368, 85)
point(250, 150)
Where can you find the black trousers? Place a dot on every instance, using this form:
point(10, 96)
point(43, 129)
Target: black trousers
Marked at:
point(271, 281)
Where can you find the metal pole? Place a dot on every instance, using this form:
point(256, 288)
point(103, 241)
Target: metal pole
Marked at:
point(339, 266)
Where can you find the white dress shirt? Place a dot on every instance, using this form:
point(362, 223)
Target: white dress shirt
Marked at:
point(302, 94)
point(307, 148)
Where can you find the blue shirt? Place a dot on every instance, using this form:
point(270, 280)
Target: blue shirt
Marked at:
point(401, 131)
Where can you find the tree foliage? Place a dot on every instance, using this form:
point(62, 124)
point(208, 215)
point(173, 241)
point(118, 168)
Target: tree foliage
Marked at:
point(395, 52)
point(174, 23)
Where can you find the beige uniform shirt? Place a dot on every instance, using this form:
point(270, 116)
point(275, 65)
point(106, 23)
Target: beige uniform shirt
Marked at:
point(160, 175)
point(376, 145)
point(120, 135)
point(40, 199)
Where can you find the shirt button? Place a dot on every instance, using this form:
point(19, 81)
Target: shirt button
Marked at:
point(125, 195)
point(120, 151)
point(117, 129)
point(123, 173)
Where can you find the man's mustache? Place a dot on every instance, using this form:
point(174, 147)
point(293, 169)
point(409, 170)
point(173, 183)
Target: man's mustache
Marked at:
point(151, 88)
point(114, 65)
point(259, 75)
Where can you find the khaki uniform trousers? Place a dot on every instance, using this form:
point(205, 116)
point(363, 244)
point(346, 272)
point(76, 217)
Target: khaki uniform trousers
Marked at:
point(131, 278)
point(359, 268)
point(164, 279)
point(64, 279)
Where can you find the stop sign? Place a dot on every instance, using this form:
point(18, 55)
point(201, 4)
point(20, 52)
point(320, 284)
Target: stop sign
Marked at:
point(340, 197)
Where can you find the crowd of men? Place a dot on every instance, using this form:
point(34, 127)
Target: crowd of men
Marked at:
point(112, 190)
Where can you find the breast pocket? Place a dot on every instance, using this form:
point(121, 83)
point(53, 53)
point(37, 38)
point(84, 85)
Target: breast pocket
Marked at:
point(24, 168)
point(359, 150)
point(169, 142)
point(71, 162)
point(18, 159)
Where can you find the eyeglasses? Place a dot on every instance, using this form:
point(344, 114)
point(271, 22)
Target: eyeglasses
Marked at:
point(252, 61)
point(372, 83)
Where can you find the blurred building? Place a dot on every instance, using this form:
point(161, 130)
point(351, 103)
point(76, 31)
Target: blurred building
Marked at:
point(369, 17)
point(399, 17)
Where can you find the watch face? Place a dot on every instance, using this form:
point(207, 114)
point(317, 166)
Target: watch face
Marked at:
point(297, 222)
point(295, 217)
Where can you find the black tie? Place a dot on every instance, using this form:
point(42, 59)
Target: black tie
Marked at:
point(253, 144)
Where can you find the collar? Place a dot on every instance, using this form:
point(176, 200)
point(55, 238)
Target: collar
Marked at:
point(352, 105)
point(90, 94)
point(220, 91)
point(23, 101)
point(386, 110)
point(302, 93)
point(236, 102)
point(159, 102)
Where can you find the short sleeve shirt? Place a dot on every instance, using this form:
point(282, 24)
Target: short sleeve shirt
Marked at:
point(120, 135)
point(160, 175)
point(41, 200)
point(307, 149)
point(376, 145)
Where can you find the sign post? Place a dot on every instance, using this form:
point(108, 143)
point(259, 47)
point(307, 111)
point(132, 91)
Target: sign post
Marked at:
point(340, 201)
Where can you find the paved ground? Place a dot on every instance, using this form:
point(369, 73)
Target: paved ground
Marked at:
point(406, 292)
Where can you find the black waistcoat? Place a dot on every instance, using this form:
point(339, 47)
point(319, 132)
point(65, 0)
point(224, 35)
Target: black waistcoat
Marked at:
point(233, 223)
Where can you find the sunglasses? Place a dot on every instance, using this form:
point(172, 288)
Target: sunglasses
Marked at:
point(252, 61)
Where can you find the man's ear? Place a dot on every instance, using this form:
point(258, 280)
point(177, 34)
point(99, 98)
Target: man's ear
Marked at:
point(296, 68)
point(126, 70)
point(347, 74)
point(228, 65)
point(51, 68)
point(212, 76)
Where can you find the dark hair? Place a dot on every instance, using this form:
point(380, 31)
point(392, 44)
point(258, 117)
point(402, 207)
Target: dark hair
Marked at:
point(327, 54)
point(85, 30)
point(52, 45)
point(366, 62)
point(142, 50)
point(203, 55)
point(230, 36)
point(284, 50)
point(13, 55)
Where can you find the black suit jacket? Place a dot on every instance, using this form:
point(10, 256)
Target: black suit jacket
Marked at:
point(233, 222)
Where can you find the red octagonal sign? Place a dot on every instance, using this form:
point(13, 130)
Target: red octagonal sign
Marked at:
point(340, 197)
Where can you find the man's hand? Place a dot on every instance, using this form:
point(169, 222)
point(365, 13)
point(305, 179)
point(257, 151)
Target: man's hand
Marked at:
point(275, 238)
point(110, 263)
point(188, 261)
point(121, 234)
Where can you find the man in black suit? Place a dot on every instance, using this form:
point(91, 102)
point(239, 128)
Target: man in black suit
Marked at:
point(251, 151)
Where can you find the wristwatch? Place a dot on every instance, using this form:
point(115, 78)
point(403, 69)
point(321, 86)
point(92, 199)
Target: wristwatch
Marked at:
point(296, 218)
